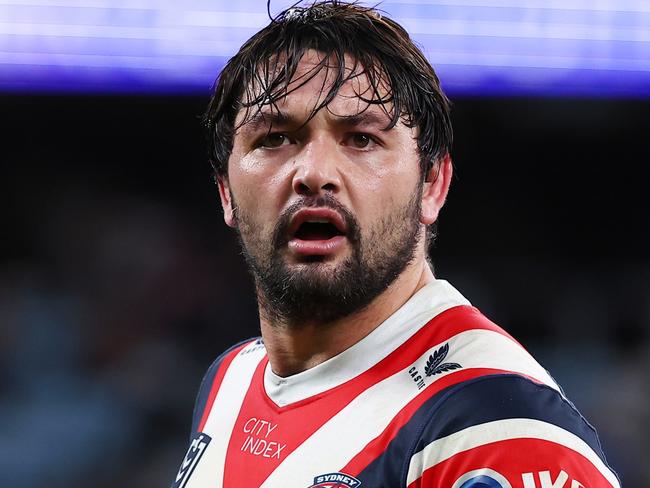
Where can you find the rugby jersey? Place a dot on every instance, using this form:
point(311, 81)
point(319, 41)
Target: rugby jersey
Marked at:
point(435, 396)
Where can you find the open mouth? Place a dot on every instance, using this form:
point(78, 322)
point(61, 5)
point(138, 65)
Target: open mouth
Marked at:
point(317, 232)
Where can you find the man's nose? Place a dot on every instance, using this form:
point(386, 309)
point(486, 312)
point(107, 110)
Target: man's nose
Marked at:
point(317, 168)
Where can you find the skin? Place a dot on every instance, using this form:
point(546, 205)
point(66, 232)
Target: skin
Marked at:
point(366, 169)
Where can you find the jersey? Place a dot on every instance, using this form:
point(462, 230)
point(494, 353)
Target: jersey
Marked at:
point(435, 396)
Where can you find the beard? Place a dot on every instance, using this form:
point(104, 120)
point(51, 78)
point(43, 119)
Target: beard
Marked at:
point(315, 290)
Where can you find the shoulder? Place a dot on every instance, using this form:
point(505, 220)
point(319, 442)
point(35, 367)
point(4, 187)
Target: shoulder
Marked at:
point(215, 373)
point(503, 421)
point(461, 345)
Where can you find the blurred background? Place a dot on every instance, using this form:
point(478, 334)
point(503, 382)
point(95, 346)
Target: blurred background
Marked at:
point(119, 283)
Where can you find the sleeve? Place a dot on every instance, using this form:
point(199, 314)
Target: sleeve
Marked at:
point(505, 431)
point(207, 387)
point(199, 441)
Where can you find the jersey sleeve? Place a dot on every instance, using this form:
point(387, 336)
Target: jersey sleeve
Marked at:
point(210, 383)
point(207, 392)
point(506, 431)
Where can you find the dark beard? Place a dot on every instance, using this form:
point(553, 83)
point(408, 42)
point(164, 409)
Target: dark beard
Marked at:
point(316, 292)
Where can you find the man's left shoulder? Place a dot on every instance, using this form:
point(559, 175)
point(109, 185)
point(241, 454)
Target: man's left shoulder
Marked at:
point(508, 430)
point(465, 345)
point(497, 417)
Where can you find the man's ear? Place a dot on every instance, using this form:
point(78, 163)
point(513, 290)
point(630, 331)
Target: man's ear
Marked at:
point(435, 189)
point(226, 201)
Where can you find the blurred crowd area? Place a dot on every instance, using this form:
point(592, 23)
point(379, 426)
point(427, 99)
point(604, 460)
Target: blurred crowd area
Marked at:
point(105, 342)
point(119, 284)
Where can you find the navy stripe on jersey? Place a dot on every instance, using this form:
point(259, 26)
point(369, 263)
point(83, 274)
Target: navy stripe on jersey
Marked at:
point(206, 386)
point(484, 399)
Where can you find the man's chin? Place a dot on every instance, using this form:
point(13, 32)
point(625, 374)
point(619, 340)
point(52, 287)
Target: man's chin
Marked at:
point(317, 268)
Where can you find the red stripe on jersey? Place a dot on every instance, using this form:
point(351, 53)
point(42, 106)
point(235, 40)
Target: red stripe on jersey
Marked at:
point(216, 383)
point(476, 321)
point(523, 462)
point(439, 330)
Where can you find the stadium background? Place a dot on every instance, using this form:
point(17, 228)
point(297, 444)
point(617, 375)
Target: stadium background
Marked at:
point(119, 282)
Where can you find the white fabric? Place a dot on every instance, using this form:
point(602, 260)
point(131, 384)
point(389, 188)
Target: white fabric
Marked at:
point(219, 427)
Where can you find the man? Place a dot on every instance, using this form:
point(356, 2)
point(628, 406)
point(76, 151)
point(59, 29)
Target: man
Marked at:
point(330, 139)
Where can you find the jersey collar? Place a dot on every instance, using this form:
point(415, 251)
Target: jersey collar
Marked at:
point(431, 300)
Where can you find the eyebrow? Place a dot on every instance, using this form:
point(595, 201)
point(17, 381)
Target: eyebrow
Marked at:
point(364, 119)
point(266, 119)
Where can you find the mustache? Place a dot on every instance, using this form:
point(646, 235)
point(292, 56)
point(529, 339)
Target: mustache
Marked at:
point(281, 230)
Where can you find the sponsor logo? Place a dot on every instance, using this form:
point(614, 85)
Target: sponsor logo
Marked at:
point(335, 480)
point(417, 377)
point(197, 447)
point(546, 481)
point(258, 442)
point(435, 363)
point(482, 478)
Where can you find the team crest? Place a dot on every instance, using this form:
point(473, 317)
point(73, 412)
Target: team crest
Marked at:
point(197, 448)
point(335, 480)
point(482, 478)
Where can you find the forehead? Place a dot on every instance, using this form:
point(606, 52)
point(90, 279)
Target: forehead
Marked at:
point(344, 87)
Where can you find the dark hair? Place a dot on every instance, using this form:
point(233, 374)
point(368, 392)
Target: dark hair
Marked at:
point(401, 79)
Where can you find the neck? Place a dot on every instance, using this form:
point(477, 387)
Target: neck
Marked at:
point(292, 350)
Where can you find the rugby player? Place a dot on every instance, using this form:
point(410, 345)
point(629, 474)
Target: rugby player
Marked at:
point(330, 138)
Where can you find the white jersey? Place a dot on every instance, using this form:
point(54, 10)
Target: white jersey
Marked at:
point(436, 396)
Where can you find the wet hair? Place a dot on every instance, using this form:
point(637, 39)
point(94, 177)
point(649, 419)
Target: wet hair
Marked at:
point(402, 82)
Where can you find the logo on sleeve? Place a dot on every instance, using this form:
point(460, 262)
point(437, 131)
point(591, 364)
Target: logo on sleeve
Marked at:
point(435, 363)
point(197, 447)
point(482, 478)
point(335, 480)
point(433, 366)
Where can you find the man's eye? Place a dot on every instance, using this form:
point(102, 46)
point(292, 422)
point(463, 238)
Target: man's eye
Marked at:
point(274, 139)
point(360, 141)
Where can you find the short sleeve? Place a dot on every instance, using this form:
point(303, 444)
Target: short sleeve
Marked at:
point(203, 395)
point(199, 441)
point(506, 431)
